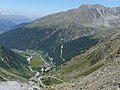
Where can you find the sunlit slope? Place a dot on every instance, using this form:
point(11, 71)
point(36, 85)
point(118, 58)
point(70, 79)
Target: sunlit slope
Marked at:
point(94, 58)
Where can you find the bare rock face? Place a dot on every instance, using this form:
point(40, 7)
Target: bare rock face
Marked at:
point(95, 16)
point(16, 85)
point(105, 78)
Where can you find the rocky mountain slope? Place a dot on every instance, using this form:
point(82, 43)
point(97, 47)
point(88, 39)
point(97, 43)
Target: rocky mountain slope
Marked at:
point(96, 69)
point(12, 65)
point(53, 31)
point(83, 43)
point(107, 77)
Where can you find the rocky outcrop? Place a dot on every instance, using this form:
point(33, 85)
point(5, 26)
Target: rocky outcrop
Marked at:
point(107, 77)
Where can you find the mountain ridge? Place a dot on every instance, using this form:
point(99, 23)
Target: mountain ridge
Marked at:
point(50, 32)
point(11, 18)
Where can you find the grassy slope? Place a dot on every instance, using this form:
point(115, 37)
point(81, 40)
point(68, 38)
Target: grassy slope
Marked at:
point(6, 75)
point(50, 81)
point(92, 59)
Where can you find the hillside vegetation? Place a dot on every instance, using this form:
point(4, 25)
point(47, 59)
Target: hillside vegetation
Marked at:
point(97, 68)
point(12, 65)
point(69, 28)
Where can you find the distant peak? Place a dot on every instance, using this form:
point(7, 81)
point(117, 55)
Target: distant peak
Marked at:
point(85, 6)
point(98, 5)
point(88, 6)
